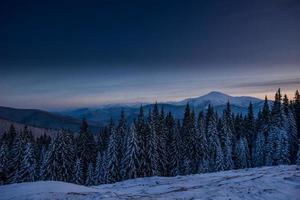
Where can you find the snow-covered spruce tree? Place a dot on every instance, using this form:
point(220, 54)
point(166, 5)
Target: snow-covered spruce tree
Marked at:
point(278, 141)
point(190, 137)
point(142, 131)
point(242, 153)
point(204, 157)
point(291, 128)
point(250, 130)
point(259, 150)
point(78, 173)
point(17, 154)
point(59, 161)
point(195, 149)
point(161, 145)
point(214, 147)
point(9, 137)
point(112, 172)
point(4, 156)
point(102, 140)
point(100, 169)
point(28, 167)
point(296, 108)
point(170, 125)
point(153, 140)
point(131, 159)
point(176, 152)
point(226, 138)
point(122, 131)
point(85, 147)
point(90, 176)
point(298, 156)
point(264, 125)
point(241, 150)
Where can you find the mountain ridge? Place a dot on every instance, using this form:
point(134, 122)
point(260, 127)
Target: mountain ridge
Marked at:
point(98, 117)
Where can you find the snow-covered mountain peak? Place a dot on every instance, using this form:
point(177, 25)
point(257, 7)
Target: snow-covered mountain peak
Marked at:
point(218, 98)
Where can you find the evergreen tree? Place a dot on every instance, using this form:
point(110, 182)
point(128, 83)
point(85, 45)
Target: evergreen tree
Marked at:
point(28, 167)
point(195, 148)
point(78, 173)
point(250, 129)
point(226, 138)
point(214, 147)
point(204, 157)
point(100, 169)
point(176, 152)
point(59, 161)
point(131, 159)
point(103, 139)
point(9, 137)
point(170, 126)
point(153, 141)
point(259, 150)
point(161, 145)
point(291, 129)
point(17, 154)
point(4, 156)
point(86, 146)
point(143, 132)
point(241, 150)
point(242, 153)
point(298, 157)
point(296, 106)
point(122, 134)
point(90, 175)
point(278, 141)
point(113, 166)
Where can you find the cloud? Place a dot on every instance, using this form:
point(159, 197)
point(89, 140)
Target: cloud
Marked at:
point(271, 83)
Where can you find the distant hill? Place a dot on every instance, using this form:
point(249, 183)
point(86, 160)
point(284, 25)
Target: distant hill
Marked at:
point(42, 119)
point(217, 99)
point(36, 132)
point(71, 119)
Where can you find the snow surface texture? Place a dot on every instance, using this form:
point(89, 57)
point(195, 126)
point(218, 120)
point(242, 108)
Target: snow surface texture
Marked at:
point(274, 183)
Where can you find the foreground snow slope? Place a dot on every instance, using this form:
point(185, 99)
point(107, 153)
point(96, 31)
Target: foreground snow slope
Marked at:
point(281, 182)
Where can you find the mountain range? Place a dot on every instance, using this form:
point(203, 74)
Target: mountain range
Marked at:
point(98, 117)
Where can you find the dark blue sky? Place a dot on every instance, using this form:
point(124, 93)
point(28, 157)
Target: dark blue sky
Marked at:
point(57, 54)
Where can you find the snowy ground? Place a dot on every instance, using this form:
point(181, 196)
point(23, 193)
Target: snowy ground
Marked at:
point(274, 183)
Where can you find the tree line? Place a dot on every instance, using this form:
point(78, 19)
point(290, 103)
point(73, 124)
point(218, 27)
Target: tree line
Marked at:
point(157, 145)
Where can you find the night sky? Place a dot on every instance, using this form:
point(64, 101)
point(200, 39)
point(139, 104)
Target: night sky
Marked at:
point(66, 54)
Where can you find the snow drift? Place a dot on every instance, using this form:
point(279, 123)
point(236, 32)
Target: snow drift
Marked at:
point(276, 183)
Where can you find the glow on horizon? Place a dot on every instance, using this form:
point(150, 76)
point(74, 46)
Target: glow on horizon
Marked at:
point(91, 90)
